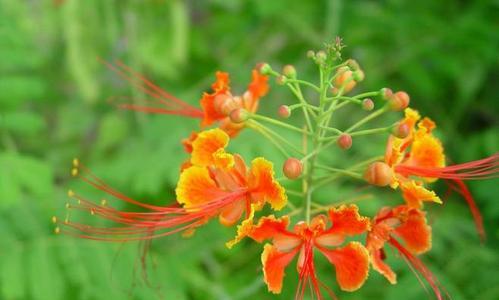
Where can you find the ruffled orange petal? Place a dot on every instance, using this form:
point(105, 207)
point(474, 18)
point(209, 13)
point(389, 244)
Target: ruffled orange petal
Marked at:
point(426, 151)
point(269, 227)
point(274, 262)
point(382, 268)
point(411, 118)
point(243, 230)
point(208, 149)
point(220, 87)
point(187, 142)
point(263, 186)
point(415, 194)
point(351, 263)
point(415, 232)
point(394, 152)
point(195, 187)
point(258, 86)
point(347, 221)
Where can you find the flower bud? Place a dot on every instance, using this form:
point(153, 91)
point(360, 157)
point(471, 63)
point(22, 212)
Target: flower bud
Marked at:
point(352, 64)
point(281, 80)
point(292, 168)
point(379, 173)
point(239, 115)
point(368, 104)
point(284, 111)
point(344, 141)
point(264, 68)
point(399, 101)
point(401, 130)
point(358, 75)
point(344, 78)
point(224, 104)
point(386, 94)
point(289, 71)
point(320, 57)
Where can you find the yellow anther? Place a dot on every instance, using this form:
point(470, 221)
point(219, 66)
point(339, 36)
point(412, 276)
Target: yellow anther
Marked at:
point(76, 162)
point(71, 193)
point(74, 172)
point(103, 202)
point(54, 219)
point(57, 230)
point(66, 221)
point(67, 205)
point(92, 212)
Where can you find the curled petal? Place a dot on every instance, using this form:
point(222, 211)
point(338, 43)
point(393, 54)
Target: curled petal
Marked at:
point(263, 186)
point(381, 267)
point(258, 86)
point(187, 142)
point(347, 221)
point(411, 118)
point(426, 151)
point(351, 263)
point(195, 187)
point(206, 145)
point(274, 262)
point(414, 194)
point(275, 229)
point(415, 232)
point(243, 230)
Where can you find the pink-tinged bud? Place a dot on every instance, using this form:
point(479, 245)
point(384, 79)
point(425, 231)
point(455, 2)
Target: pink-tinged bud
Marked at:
point(399, 101)
point(289, 71)
point(368, 104)
point(344, 141)
point(344, 78)
point(379, 173)
point(239, 115)
point(264, 68)
point(284, 111)
point(292, 168)
point(310, 54)
point(335, 91)
point(281, 80)
point(401, 130)
point(386, 94)
point(226, 105)
point(352, 64)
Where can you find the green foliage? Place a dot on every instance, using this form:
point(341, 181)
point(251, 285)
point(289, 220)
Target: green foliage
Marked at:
point(53, 106)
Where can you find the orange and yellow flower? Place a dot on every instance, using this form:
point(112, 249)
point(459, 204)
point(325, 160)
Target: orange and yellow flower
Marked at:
point(351, 261)
point(408, 225)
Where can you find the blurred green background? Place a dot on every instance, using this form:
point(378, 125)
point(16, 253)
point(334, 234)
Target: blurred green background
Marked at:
point(53, 107)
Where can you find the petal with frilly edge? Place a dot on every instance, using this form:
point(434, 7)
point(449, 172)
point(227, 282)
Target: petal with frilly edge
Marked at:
point(220, 87)
point(195, 187)
point(347, 221)
point(208, 149)
point(263, 186)
point(415, 194)
point(415, 232)
point(382, 268)
point(274, 262)
point(351, 263)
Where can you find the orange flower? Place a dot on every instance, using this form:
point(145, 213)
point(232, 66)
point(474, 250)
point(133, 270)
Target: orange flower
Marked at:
point(350, 261)
point(410, 226)
point(215, 106)
point(214, 183)
point(218, 105)
point(215, 175)
point(420, 158)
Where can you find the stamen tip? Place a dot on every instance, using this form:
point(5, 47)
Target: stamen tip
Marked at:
point(76, 162)
point(103, 202)
point(74, 172)
point(54, 219)
point(71, 193)
point(57, 230)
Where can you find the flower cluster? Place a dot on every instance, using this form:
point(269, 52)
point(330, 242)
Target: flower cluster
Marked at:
point(214, 183)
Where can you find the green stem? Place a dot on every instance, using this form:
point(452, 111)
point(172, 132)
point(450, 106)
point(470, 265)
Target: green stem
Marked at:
point(252, 125)
point(313, 86)
point(277, 136)
point(279, 123)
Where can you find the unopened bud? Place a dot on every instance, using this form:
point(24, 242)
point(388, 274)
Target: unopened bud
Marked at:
point(401, 130)
point(224, 104)
point(368, 104)
point(399, 101)
point(379, 173)
point(344, 141)
point(320, 57)
point(358, 75)
point(292, 168)
point(344, 79)
point(386, 94)
point(281, 80)
point(352, 64)
point(239, 115)
point(310, 54)
point(264, 68)
point(284, 111)
point(289, 71)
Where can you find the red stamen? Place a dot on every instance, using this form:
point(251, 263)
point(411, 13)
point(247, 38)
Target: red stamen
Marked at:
point(418, 266)
point(174, 106)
